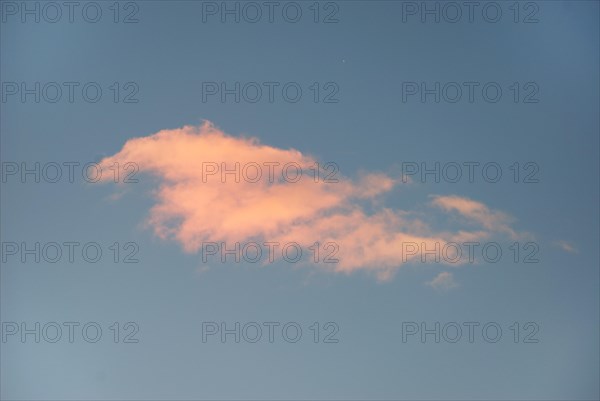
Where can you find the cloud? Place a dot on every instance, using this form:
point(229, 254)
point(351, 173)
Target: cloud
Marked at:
point(443, 281)
point(200, 270)
point(566, 246)
point(477, 212)
point(214, 187)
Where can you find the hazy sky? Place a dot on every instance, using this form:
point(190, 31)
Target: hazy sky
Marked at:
point(158, 94)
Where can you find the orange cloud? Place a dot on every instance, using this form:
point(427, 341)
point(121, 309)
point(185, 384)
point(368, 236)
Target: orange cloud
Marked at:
point(214, 187)
point(478, 212)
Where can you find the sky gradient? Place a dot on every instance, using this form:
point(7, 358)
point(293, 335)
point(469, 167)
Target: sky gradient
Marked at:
point(368, 96)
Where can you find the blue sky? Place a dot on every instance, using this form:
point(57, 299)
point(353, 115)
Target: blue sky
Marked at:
point(370, 54)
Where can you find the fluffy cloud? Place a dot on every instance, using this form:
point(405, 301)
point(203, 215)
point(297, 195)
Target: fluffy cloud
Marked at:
point(213, 187)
